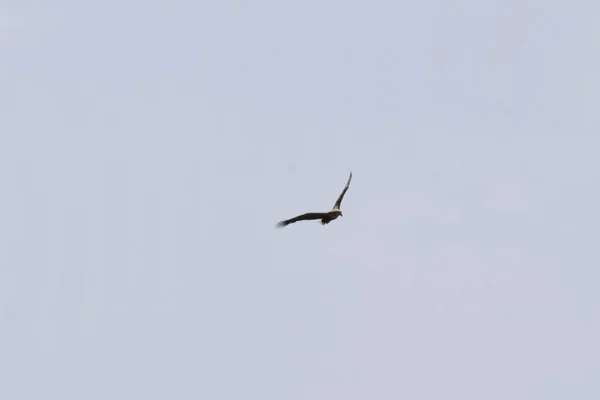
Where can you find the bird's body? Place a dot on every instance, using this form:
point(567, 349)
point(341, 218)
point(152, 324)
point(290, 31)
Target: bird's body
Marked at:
point(323, 217)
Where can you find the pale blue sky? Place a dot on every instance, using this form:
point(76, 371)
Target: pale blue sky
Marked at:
point(147, 150)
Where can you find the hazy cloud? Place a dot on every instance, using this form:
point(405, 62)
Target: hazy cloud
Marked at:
point(411, 205)
point(14, 26)
point(509, 197)
point(146, 155)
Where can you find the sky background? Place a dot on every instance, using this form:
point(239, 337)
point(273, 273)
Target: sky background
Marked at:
point(147, 150)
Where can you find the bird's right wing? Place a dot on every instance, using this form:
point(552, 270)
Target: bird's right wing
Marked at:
point(338, 202)
point(307, 216)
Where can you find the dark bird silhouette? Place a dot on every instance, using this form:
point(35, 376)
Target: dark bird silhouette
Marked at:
point(324, 217)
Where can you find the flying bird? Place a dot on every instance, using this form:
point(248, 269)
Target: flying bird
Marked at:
point(324, 217)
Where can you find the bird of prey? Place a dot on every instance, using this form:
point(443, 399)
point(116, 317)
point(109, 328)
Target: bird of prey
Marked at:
point(324, 217)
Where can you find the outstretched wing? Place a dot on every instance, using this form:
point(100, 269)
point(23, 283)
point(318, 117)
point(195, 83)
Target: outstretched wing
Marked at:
point(307, 216)
point(338, 202)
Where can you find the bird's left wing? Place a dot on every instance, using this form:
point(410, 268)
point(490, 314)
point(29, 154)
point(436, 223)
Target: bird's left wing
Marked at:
point(311, 215)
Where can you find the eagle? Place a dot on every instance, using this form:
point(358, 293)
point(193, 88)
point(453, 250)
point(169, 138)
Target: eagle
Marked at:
point(324, 217)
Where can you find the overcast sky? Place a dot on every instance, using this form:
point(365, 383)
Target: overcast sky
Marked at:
point(147, 150)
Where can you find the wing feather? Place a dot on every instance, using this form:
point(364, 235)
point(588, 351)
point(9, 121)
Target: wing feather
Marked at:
point(302, 217)
point(338, 202)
